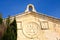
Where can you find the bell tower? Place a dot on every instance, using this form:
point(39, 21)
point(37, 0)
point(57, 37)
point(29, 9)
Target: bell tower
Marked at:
point(30, 8)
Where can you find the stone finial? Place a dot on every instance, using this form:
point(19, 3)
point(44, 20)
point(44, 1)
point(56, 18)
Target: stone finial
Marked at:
point(30, 7)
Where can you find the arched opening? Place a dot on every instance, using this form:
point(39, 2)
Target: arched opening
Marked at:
point(30, 8)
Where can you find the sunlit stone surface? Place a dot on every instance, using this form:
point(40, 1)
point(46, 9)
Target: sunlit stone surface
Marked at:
point(34, 26)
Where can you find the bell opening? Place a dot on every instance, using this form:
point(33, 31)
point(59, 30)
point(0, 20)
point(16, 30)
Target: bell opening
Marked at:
point(30, 8)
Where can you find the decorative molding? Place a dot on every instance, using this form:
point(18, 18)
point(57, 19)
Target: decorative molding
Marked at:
point(31, 30)
point(44, 25)
point(19, 25)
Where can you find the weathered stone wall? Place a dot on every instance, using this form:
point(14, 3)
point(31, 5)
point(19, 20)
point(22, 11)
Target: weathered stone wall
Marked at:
point(34, 28)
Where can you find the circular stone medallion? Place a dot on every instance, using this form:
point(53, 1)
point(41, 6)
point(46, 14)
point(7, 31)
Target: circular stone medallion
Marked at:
point(31, 29)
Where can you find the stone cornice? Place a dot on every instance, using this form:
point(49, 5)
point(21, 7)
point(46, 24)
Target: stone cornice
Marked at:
point(38, 15)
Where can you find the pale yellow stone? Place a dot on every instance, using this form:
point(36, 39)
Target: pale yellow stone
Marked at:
point(29, 26)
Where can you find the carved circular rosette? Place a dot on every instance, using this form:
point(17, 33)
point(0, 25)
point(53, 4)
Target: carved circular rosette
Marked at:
point(31, 30)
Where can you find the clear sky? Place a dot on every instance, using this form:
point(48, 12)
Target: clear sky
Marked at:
point(13, 7)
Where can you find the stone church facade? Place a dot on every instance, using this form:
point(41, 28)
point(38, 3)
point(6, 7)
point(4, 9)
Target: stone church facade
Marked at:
point(32, 25)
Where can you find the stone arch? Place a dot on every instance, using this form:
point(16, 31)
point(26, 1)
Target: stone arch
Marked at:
point(30, 7)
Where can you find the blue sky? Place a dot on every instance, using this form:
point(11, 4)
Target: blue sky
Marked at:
point(13, 7)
